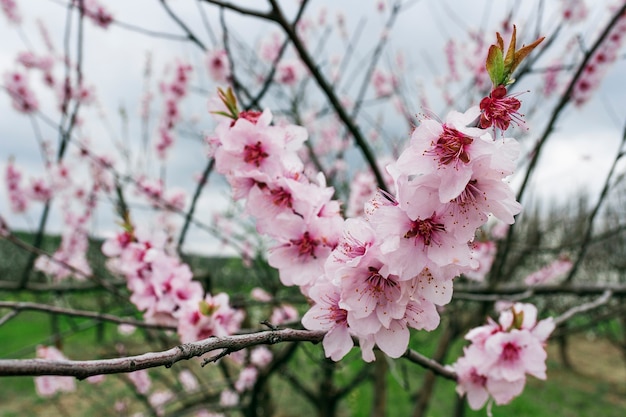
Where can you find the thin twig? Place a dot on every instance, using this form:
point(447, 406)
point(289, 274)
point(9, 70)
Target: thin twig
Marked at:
point(430, 364)
point(278, 17)
point(606, 296)
point(190, 35)
point(24, 306)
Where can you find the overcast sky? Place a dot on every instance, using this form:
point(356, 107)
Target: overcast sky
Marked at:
point(577, 156)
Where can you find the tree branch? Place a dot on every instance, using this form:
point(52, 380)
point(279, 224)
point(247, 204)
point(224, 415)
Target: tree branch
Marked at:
point(430, 364)
point(606, 296)
point(17, 306)
point(278, 17)
point(84, 369)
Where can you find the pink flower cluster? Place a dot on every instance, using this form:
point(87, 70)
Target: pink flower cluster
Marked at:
point(95, 12)
point(502, 354)
point(163, 288)
point(484, 253)
point(79, 201)
point(9, 7)
point(261, 164)
point(218, 66)
point(22, 97)
point(550, 272)
point(47, 386)
point(374, 277)
point(17, 195)
point(574, 11)
point(393, 267)
point(599, 64)
point(73, 249)
point(173, 92)
point(154, 192)
point(385, 84)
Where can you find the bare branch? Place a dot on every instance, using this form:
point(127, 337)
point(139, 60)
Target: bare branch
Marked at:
point(190, 35)
point(241, 10)
point(430, 364)
point(462, 291)
point(84, 369)
point(606, 296)
point(328, 92)
point(22, 306)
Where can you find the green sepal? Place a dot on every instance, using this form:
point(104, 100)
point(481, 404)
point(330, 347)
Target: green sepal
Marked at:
point(495, 65)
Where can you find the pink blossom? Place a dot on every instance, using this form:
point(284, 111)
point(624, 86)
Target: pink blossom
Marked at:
point(511, 355)
point(23, 98)
point(188, 380)
point(502, 354)
point(357, 238)
point(126, 329)
point(39, 190)
point(96, 379)
point(484, 253)
point(158, 400)
point(471, 382)
point(551, 79)
point(574, 11)
point(95, 12)
point(218, 65)
point(258, 152)
point(285, 196)
point(289, 72)
point(260, 294)
point(384, 84)
point(173, 92)
point(229, 398)
point(362, 188)
point(327, 315)
point(47, 386)
point(9, 7)
point(550, 272)
point(270, 47)
point(412, 245)
point(499, 110)
point(247, 379)
point(261, 357)
point(447, 150)
point(72, 252)
point(141, 380)
point(303, 247)
point(212, 316)
point(17, 195)
point(599, 63)
point(284, 313)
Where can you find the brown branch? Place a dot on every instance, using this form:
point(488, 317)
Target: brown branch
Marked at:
point(190, 35)
point(430, 364)
point(196, 196)
point(606, 296)
point(60, 288)
point(84, 369)
point(17, 306)
point(462, 291)
point(240, 10)
point(278, 17)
